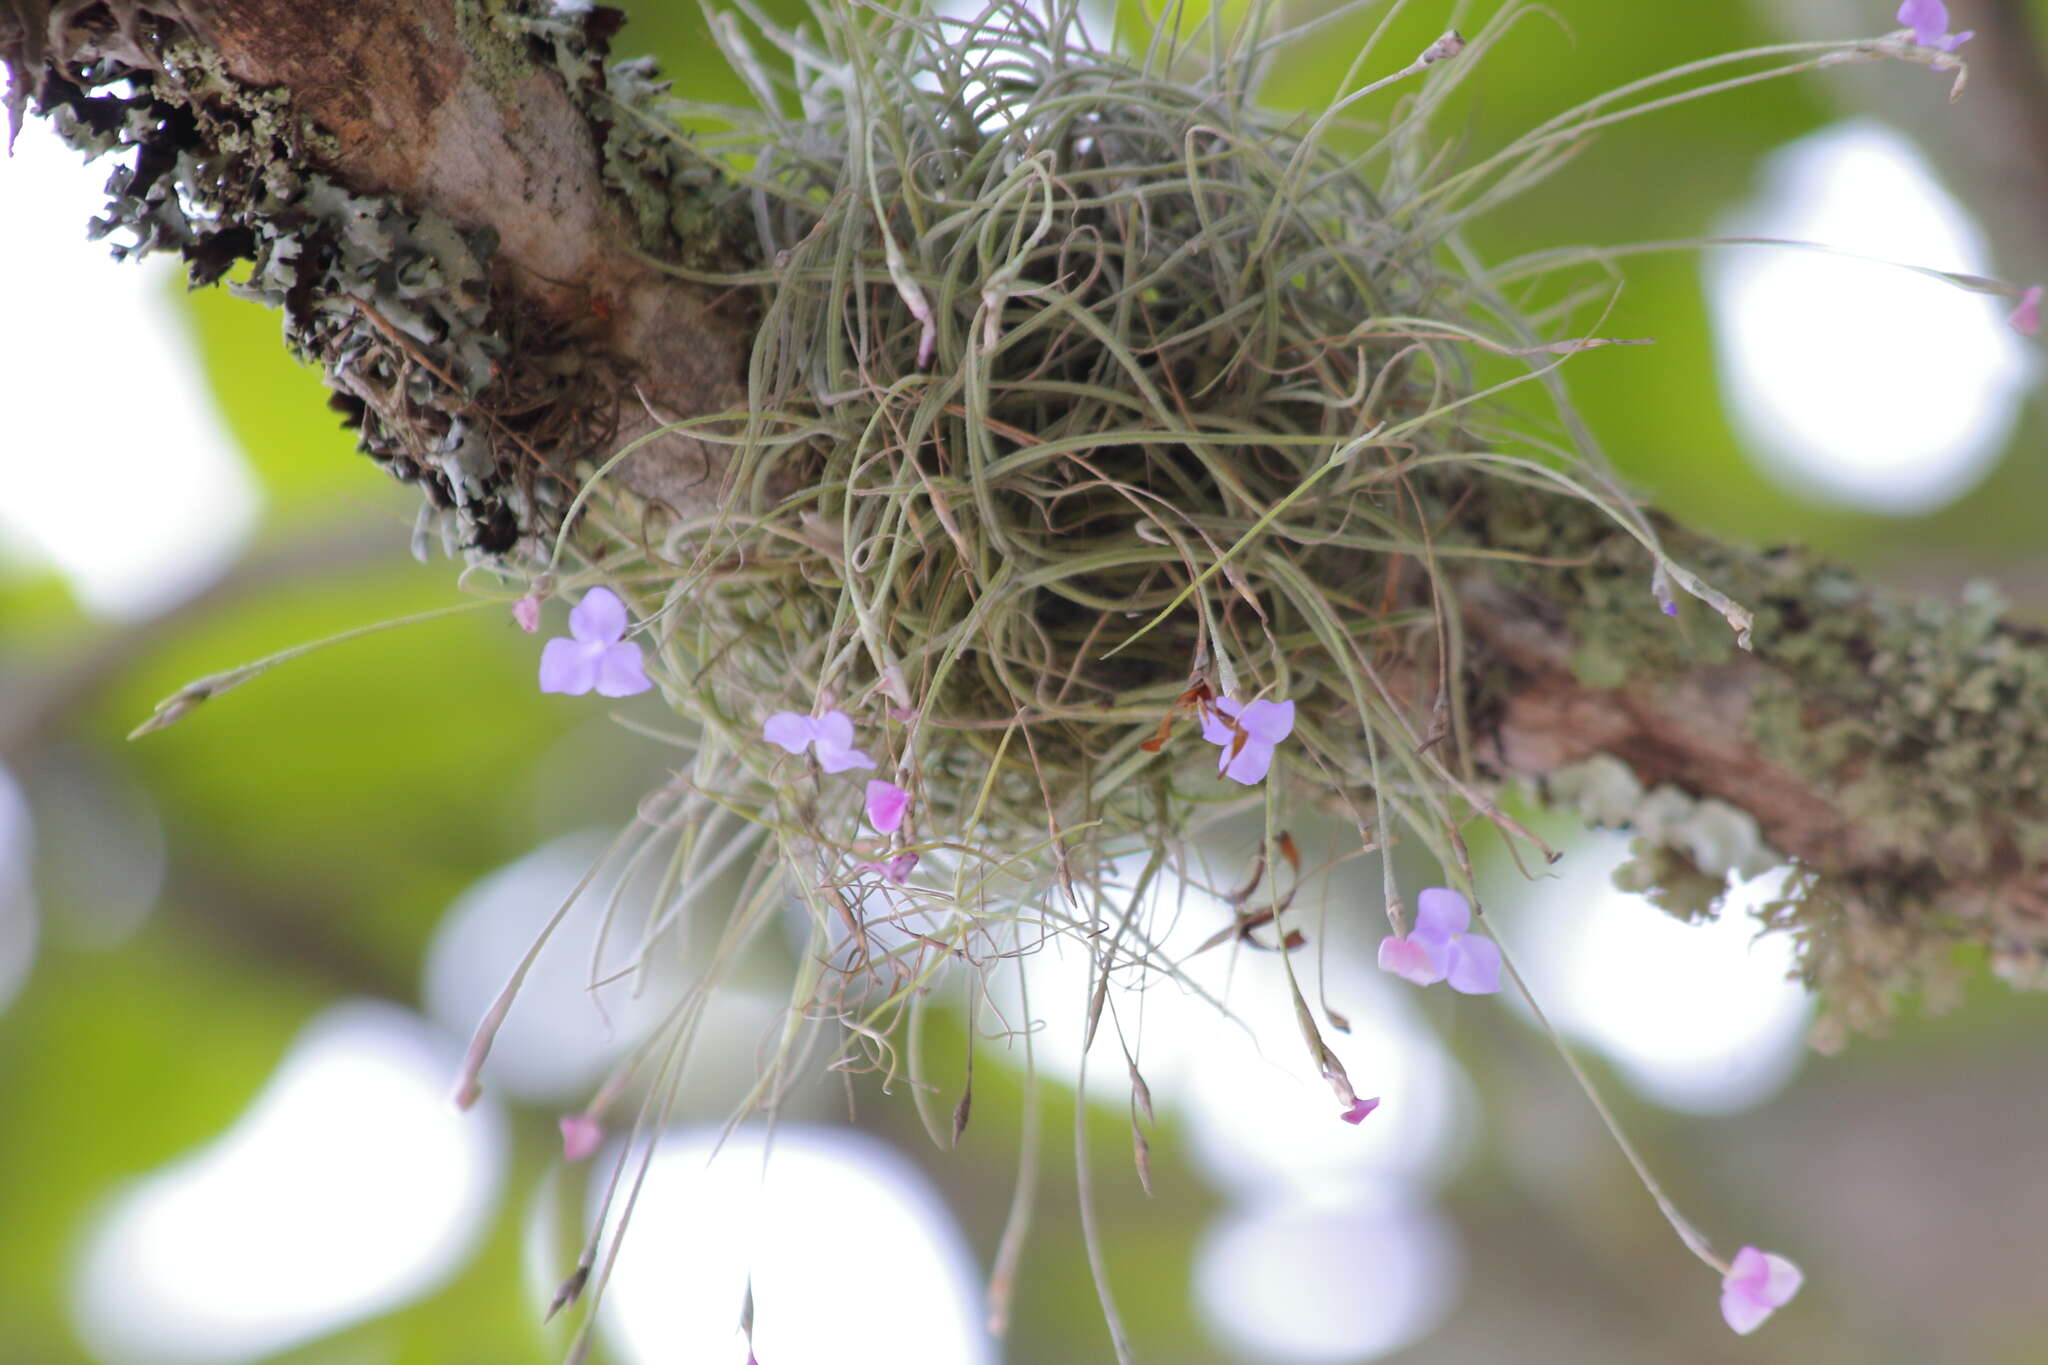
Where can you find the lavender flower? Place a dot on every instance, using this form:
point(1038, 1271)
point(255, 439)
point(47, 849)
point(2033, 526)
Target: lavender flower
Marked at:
point(1929, 21)
point(1757, 1284)
point(1249, 743)
point(1438, 948)
point(598, 656)
point(831, 734)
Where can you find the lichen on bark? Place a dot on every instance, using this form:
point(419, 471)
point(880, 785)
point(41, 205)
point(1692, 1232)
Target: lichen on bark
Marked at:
point(495, 330)
point(1891, 750)
point(482, 369)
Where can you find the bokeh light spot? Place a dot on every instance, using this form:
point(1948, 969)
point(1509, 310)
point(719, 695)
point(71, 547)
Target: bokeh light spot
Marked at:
point(562, 1032)
point(17, 899)
point(851, 1254)
point(350, 1186)
point(1858, 382)
point(1700, 1018)
point(139, 497)
point(1218, 1039)
point(1348, 1275)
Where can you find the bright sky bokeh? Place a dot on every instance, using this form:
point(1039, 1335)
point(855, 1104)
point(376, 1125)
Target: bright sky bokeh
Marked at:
point(1856, 382)
point(18, 921)
point(1699, 1017)
point(851, 1255)
point(351, 1185)
point(137, 495)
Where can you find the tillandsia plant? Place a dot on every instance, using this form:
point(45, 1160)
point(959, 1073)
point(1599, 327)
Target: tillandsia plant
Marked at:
point(1110, 457)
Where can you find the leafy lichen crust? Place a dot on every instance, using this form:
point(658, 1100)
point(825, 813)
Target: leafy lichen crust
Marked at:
point(452, 379)
point(1922, 725)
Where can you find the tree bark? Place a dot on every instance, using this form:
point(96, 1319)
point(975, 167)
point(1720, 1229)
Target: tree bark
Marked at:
point(1890, 750)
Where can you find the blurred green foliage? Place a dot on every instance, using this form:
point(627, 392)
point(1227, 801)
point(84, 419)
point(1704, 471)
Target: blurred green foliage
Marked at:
point(320, 820)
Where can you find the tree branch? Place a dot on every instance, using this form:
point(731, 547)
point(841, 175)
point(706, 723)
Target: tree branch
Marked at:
point(1891, 749)
point(452, 204)
point(363, 158)
point(444, 109)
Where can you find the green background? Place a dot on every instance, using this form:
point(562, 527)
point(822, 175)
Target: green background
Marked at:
point(320, 820)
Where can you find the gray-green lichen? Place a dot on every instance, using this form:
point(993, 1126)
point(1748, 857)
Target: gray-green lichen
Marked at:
point(679, 202)
point(493, 45)
point(396, 304)
point(1924, 724)
point(1688, 849)
point(449, 383)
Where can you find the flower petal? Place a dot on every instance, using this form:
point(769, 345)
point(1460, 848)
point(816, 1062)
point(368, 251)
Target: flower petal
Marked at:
point(1268, 722)
point(1767, 1277)
point(1757, 1283)
point(1250, 763)
point(835, 744)
point(1785, 1280)
point(1929, 21)
point(568, 667)
point(789, 731)
point(1473, 965)
point(1927, 18)
point(600, 618)
point(2026, 319)
point(526, 611)
point(620, 672)
point(1216, 718)
point(1742, 1313)
point(1409, 960)
point(886, 804)
point(1749, 1271)
point(900, 867)
point(1441, 912)
point(835, 730)
point(581, 1135)
point(1359, 1109)
point(839, 760)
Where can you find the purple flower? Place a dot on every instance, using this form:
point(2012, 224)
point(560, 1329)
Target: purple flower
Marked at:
point(1756, 1284)
point(897, 869)
point(1359, 1109)
point(1660, 588)
point(599, 656)
point(832, 733)
point(2026, 319)
point(1248, 744)
point(886, 804)
point(1439, 949)
point(1929, 21)
point(581, 1135)
point(526, 613)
